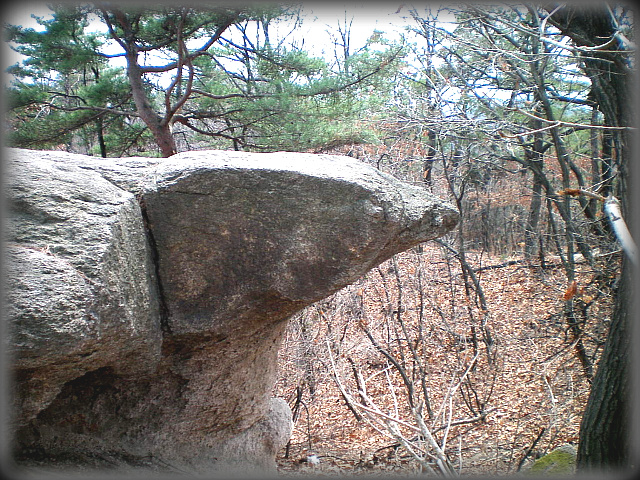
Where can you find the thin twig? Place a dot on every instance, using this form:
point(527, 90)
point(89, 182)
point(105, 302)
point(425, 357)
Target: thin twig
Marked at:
point(343, 392)
point(560, 123)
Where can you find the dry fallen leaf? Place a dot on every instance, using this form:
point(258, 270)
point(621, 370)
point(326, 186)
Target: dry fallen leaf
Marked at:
point(571, 290)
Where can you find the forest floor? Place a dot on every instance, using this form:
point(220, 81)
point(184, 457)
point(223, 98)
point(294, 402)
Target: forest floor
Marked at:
point(499, 399)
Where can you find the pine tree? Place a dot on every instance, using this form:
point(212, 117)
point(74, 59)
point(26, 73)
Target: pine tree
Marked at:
point(212, 73)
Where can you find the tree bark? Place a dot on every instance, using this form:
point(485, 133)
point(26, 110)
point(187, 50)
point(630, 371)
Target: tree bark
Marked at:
point(534, 154)
point(604, 430)
point(100, 133)
point(160, 129)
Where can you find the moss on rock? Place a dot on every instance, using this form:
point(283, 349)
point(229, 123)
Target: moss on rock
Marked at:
point(561, 461)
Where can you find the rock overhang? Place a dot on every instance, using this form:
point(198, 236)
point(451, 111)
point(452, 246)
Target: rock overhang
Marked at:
point(304, 224)
point(215, 250)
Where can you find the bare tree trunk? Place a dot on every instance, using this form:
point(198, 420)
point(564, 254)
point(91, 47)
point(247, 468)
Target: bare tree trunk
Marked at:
point(604, 430)
point(535, 154)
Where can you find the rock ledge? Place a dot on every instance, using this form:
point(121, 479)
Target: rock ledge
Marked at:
point(148, 297)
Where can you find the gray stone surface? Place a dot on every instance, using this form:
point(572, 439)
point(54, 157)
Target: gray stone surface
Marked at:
point(81, 289)
point(149, 297)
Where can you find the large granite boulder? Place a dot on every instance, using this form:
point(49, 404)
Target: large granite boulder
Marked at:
point(82, 291)
point(148, 297)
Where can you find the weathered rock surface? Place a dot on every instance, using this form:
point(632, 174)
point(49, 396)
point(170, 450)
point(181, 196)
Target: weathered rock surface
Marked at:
point(148, 297)
point(81, 283)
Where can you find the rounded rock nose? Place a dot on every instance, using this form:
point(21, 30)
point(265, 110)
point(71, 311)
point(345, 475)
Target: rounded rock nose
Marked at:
point(426, 216)
point(449, 217)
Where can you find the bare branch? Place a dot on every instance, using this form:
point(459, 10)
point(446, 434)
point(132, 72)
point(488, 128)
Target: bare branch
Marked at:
point(561, 123)
point(102, 110)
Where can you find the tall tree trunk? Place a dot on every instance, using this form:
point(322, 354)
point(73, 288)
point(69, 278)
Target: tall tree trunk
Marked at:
point(605, 426)
point(535, 157)
point(531, 234)
point(604, 432)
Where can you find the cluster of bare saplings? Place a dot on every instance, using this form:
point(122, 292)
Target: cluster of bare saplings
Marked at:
point(471, 354)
